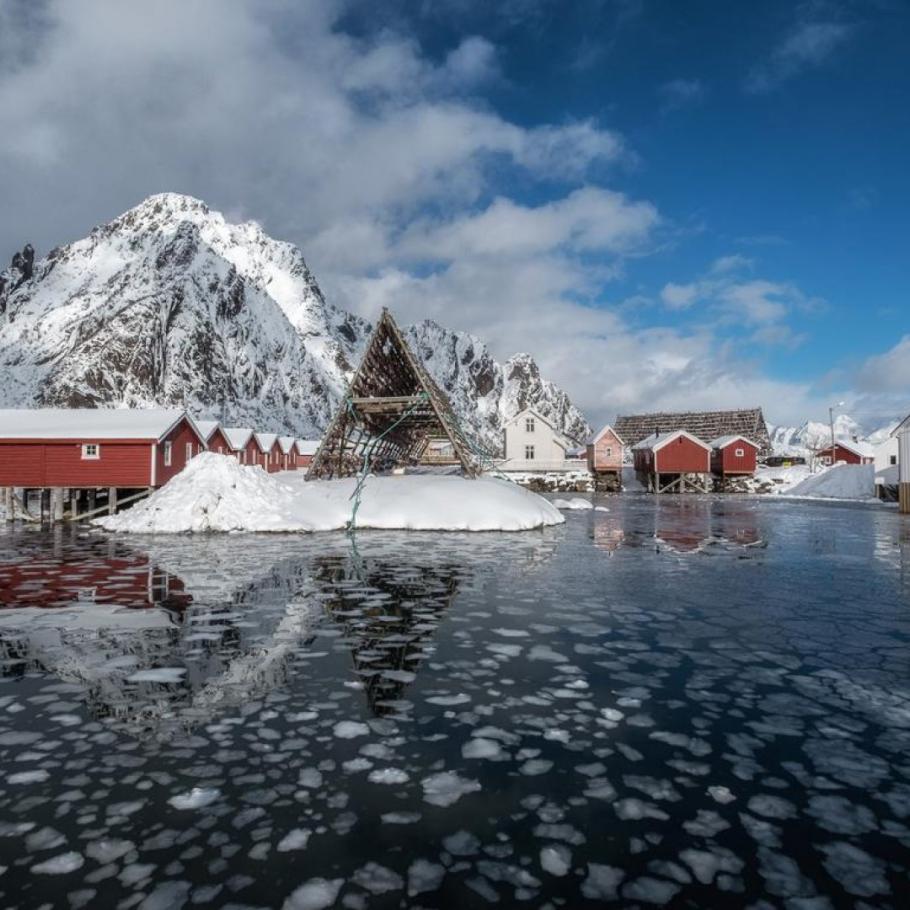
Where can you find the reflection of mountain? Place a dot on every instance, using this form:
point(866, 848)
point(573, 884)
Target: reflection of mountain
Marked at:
point(389, 614)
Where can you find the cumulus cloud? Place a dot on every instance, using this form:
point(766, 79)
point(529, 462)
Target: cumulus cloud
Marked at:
point(809, 44)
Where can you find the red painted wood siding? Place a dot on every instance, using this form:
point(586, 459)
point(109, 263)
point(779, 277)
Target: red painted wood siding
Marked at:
point(845, 455)
point(181, 436)
point(598, 457)
point(218, 444)
point(276, 459)
point(21, 465)
point(726, 461)
point(60, 464)
point(683, 456)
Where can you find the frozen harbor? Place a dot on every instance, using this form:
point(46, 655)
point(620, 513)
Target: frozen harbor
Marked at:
point(688, 700)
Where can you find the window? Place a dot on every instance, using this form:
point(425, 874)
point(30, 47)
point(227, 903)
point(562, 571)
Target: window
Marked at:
point(529, 453)
point(529, 424)
point(826, 459)
point(91, 451)
point(221, 450)
point(189, 451)
point(168, 447)
point(609, 452)
point(894, 459)
point(739, 453)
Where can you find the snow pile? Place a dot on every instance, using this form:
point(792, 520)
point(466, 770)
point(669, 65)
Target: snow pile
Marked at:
point(215, 493)
point(842, 481)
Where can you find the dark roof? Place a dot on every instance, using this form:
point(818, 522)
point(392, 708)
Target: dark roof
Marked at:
point(707, 425)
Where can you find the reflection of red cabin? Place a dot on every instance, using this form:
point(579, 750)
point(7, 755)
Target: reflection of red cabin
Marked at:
point(270, 454)
point(733, 455)
point(672, 453)
point(604, 452)
point(849, 452)
point(82, 448)
point(242, 444)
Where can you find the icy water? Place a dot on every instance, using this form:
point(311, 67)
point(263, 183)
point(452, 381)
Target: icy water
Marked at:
point(687, 702)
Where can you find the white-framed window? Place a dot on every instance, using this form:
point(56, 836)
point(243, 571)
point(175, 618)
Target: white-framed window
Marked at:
point(91, 451)
point(529, 424)
point(739, 453)
point(529, 453)
point(609, 452)
point(189, 451)
point(221, 450)
point(826, 459)
point(168, 453)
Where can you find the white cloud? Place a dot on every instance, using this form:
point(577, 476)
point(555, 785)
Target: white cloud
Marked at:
point(732, 263)
point(888, 372)
point(679, 296)
point(808, 44)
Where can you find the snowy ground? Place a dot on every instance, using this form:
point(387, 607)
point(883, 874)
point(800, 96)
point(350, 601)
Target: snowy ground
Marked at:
point(215, 493)
point(563, 719)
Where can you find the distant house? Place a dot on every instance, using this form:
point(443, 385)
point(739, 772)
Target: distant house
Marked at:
point(633, 428)
point(270, 455)
point(667, 462)
point(306, 450)
point(731, 455)
point(288, 452)
point(847, 451)
point(83, 448)
point(604, 452)
point(242, 443)
point(533, 444)
point(215, 440)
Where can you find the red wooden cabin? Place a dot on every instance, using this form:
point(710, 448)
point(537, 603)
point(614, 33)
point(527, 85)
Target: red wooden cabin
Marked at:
point(848, 452)
point(215, 440)
point(663, 460)
point(733, 455)
point(306, 449)
point(270, 454)
point(288, 452)
point(242, 444)
point(84, 448)
point(604, 452)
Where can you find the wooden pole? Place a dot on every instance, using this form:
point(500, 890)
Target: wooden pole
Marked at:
point(112, 501)
point(903, 461)
point(56, 504)
point(8, 503)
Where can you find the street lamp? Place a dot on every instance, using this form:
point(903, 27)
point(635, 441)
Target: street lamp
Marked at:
point(840, 404)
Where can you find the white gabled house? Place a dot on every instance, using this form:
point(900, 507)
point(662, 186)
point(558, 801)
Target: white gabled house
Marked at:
point(532, 443)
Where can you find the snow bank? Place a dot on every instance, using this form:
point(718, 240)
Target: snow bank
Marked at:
point(842, 481)
point(215, 493)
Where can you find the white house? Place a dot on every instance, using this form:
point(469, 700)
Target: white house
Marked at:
point(886, 457)
point(533, 444)
point(902, 434)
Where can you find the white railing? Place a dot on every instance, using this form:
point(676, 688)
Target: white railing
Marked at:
point(526, 465)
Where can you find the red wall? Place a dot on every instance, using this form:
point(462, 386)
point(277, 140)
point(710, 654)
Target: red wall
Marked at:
point(845, 455)
point(21, 465)
point(598, 460)
point(725, 460)
point(182, 434)
point(216, 441)
point(60, 464)
point(682, 456)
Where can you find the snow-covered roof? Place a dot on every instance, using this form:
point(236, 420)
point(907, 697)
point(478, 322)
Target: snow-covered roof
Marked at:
point(89, 423)
point(723, 441)
point(237, 437)
point(266, 441)
point(307, 446)
point(862, 449)
point(658, 440)
point(286, 443)
point(902, 427)
point(206, 428)
point(594, 438)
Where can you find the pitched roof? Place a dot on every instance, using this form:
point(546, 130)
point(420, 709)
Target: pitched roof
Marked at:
point(723, 441)
point(658, 440)
point(90, 423)
point(594, 438)
point(207, 427)
point(266, 441)
point(902, 426)
point(863, 449)
point(307, 446)
point(237, 437)
point(703, 424)
point(286, 443)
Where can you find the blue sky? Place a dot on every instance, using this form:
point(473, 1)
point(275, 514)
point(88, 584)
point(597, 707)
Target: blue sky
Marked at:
point(669, 204)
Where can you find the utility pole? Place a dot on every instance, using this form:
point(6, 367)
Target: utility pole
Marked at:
point(831, 421)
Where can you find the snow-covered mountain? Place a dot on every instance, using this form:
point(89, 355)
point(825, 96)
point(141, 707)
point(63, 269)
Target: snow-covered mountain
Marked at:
point(170, 304)
point(814, 435)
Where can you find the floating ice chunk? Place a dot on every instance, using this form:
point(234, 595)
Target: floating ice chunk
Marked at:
point(505, 650)
point(349, 729)
point(311, 778)
point(389, 776)
point(294, 840)
point(401, 818)
point(535, 766)
point(446, 788)
point(856, 870)
point(478, 747)
point(602, 882)
point(650, 890)
point(461, 843)
point(721, 794)
point(560, 832)
point(656, 789)
point(555, 859)
point(159, 674)
point(377, 879)
point(449, 700)
point(545, 652)
point(44, 839)
point(61, 864)
point(197, 798)
point(572, 504)
point(167, 896)
point(772, 806)
point(705, 864)
point(705, 824)
point(316, 894)
point(107, 850)
point(424, 876)
point(632, 809)
point(834, 813)
point(782, 876)
point(28, 777)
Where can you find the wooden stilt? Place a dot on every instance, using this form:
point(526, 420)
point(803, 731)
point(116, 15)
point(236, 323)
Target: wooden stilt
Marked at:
point(112, 501)
point(904, 498)
point(8, 500)
point(57, 504)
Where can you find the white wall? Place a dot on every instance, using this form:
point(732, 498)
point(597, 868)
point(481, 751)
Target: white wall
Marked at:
point(884, 452)
point(548, 453)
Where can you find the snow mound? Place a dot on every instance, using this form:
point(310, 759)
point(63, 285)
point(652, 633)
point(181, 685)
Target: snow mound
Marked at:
point(842, 481)
point(577, 503)
point(215, 493)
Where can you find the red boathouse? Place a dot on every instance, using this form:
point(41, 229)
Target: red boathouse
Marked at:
point(733, 455)
point(242, 444)
point(675, 462)
point(215, 440)
point(848, 452)
point(270, 454)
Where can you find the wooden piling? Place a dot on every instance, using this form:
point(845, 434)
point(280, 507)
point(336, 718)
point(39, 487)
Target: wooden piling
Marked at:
point(112, 501)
